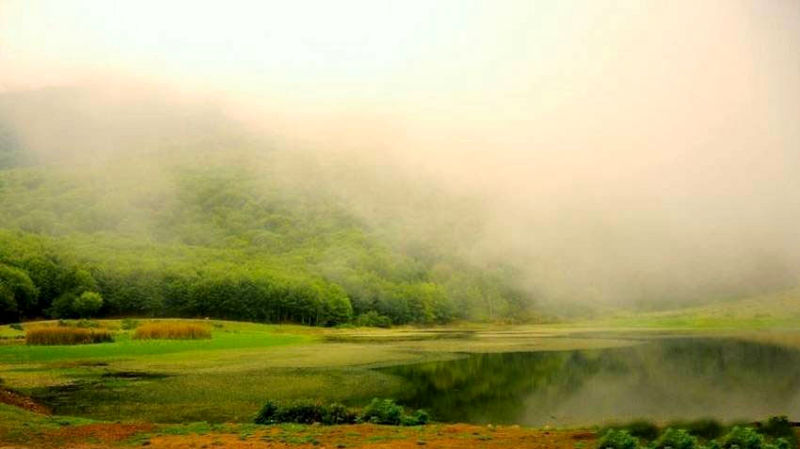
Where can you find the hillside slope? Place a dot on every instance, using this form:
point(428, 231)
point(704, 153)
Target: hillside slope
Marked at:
point(209, 223)
point(772, 310)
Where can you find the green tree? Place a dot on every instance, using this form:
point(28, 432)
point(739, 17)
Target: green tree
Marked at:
point(8, 305)
point(62, 306)
point(19, 292)
point(87, 304)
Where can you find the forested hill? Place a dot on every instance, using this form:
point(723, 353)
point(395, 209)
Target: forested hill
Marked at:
point(207, 225)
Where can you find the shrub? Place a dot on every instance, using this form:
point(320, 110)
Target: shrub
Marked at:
point(780, 443)
point(386, 411)
point(379, 411)
point(59, 335)
point(301, 412)
point(382, 411)
point(338, 414)
point(16, 326)
point(640, 429)
point(676, 439)
point(305, 412)
point(703, 428)
point(780, 427)
point(178, 331)
point(617, 439)
point(267, 414)
point(743, 438)
point(420, 417)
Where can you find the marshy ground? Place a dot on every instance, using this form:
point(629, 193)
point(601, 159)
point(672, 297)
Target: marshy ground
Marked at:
point(196, 393)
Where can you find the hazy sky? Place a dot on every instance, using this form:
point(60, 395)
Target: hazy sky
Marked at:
point(661, 135)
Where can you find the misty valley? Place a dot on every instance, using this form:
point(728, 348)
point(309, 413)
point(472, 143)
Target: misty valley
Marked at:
point(383, 224)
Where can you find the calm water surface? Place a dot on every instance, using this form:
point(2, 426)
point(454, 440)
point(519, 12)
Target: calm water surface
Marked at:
point(662, 379)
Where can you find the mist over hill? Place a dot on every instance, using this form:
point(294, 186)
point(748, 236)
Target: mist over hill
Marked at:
point(166, 205)
point(167, 208)
point(421, 161)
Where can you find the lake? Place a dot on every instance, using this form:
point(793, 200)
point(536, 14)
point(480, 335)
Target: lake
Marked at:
point(662, 379)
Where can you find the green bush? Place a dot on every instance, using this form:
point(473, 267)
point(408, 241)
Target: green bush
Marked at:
point(301, 412)
point(305, 412)
point(267, 414)
point(617, 439)
point(379, 411)
point(386, 411)
point(383, 411)
point(16, 326)
point(676, 439)
point(640, 429)
point(338, 414)
point(418, 418)
point(780, 427)
point(743, 438)
point(780, 443)
point(707, 429)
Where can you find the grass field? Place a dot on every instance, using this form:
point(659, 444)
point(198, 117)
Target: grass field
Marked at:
point(228, 377)
point(779, 310)
point(156, 387)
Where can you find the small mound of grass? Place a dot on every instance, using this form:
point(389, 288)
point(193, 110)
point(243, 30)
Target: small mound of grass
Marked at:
point(62, 335)
point(172, 331)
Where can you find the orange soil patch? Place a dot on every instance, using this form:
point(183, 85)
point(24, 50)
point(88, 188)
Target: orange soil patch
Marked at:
point(368, 436)
point(107, 432)
point(18, 400)
point(99, 435)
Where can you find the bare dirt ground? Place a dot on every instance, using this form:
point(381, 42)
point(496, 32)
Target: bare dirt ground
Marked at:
point(352, 436)
point(24, 402)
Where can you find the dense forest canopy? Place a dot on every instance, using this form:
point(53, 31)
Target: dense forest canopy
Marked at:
point(223, 227)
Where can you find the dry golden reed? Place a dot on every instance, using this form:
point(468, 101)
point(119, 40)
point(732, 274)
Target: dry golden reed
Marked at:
point(188, 331)
point(61, 335)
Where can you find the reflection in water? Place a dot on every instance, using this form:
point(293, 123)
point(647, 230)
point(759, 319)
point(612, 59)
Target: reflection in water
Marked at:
point(662, 380)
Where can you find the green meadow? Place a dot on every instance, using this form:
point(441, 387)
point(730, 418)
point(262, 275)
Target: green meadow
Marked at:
point(229, 377)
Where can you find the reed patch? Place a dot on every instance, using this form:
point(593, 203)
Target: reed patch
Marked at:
point(172, 331)
point(62, 335)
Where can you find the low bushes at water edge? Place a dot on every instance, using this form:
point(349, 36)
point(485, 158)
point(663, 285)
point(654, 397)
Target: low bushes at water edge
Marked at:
point(776, 433)
point(379, 411)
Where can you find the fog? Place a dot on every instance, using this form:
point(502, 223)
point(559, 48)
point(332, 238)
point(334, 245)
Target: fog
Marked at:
point(636, 153)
